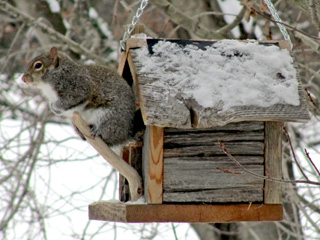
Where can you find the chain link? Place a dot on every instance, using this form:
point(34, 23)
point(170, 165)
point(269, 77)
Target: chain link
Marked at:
point(134, 22)
point(276, 17)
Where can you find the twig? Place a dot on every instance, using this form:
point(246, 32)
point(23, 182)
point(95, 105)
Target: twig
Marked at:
point(260, 176)
point(238, 175)
point(292, 150)
point(111, 157)
point(74, 46)
point(314, 166)
point(311, 99)
point(286, 25)
point(235, 22)
point(314, 14)
point(174, 231)
point(178, 17)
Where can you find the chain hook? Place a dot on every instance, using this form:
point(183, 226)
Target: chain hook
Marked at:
point(134, 22)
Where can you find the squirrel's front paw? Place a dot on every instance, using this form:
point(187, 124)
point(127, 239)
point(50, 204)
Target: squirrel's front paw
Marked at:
point(94, 131)
point(54, 109)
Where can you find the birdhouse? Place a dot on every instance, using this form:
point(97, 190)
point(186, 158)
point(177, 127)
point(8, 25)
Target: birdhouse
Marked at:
point(213, 112)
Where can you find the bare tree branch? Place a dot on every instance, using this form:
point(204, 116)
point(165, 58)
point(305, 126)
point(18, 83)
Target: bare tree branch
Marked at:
point(186, 22)
point(4, 6)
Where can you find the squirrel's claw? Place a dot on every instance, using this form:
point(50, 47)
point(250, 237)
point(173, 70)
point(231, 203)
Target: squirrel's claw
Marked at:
point(94, 131)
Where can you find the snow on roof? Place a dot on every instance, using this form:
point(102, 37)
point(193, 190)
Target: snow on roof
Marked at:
point(223, 75)
point(232, 72)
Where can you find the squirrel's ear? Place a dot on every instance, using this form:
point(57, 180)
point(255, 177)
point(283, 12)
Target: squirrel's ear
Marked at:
point(55, 57)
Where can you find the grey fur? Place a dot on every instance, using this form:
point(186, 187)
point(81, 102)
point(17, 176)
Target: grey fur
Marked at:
point(100, 90)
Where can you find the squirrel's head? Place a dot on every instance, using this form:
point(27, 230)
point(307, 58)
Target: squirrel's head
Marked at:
point(39, 66)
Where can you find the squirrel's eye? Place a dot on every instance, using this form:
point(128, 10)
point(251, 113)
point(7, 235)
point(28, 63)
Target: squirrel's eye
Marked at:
point(37, 65)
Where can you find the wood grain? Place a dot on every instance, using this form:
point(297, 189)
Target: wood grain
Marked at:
point(180, 175)
point(152, 160)
point(235, 127)
point(121, 212)
point(235, 148)
point(273, 165)
point(228, 195)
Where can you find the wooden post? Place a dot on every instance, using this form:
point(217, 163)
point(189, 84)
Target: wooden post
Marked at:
point(273, 166)
point(152, 164)
point(131, 154)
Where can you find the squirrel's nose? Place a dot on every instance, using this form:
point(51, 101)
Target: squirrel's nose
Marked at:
point(27, 78)
point(23, 78)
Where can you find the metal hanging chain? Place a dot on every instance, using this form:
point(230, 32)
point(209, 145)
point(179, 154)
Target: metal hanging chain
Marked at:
point(135, 20)
point(276, 17)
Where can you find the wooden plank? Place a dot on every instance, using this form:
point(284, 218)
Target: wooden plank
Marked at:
point(238, 126)
point(198, 175)
point(213, 148)
point(171, 111)
point(121, 212)
point(152, 159)
point(133, 43)
point(243, 160)
point(137, 90)
point(201, 138)
point(122, 63)
point(273, 165)
point(124, 193)
point(236, 195)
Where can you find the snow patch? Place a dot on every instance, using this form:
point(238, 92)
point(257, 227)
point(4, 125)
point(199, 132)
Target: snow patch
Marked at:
point(228, 73)
point(141, 200)
point(54, 6)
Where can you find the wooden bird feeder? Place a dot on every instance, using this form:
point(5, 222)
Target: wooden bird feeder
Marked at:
point(195, 130)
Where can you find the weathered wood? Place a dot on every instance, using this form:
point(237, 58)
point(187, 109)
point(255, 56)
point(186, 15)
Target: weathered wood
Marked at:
point(173, 113)
point(138, 28)
point(213, 148)
point(122, 63)
point(131, 154)
point(164, 110)
point(201, 138)
point(236, 195)
point(238, 127)
point(111, 157)
point(273, 167)
point(133, 43)
point(152, 159)
point(243, 160)
point(284, 44)
point(180, 175)
point(124, 192)
point(121, 212)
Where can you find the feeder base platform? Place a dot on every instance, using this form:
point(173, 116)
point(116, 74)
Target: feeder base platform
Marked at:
point(214, 213)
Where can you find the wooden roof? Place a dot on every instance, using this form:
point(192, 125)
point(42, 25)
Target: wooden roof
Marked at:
point(161, 108)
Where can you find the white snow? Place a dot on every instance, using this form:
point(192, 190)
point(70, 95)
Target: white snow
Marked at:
point(141, 200)
point(140, 35)
point(217, 76)
point(54, 6)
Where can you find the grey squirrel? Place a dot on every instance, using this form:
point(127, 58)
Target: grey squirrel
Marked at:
point(103, 98)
